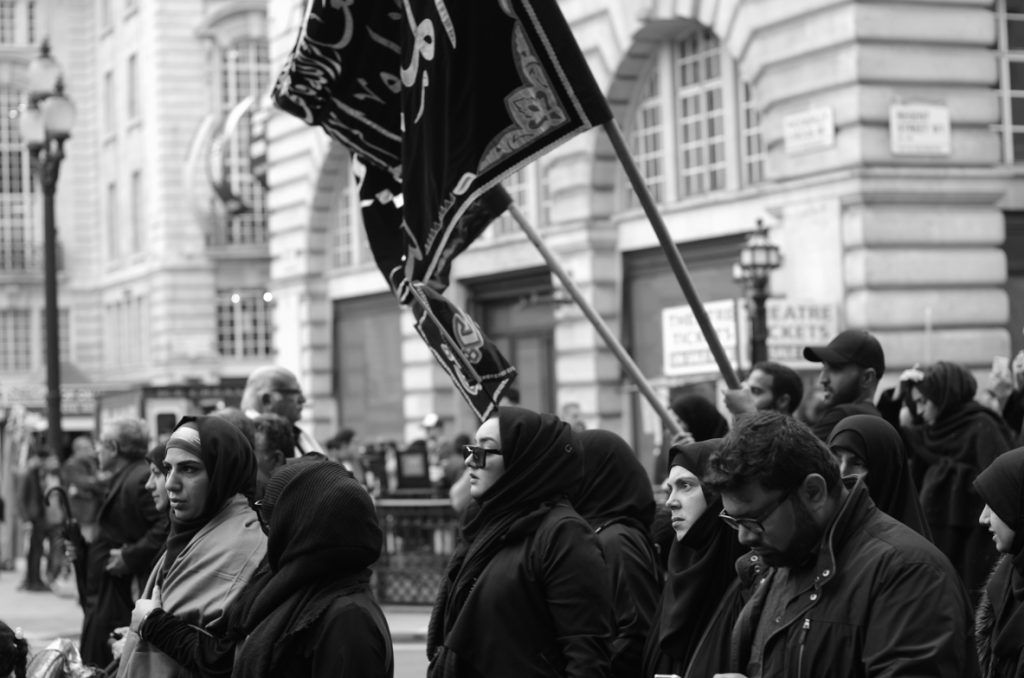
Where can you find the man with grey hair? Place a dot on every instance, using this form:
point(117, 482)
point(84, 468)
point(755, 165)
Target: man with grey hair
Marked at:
point(276, 390)
point(131, 533)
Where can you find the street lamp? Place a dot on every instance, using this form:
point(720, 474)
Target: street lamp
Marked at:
point(45, 123)
point(758, 258)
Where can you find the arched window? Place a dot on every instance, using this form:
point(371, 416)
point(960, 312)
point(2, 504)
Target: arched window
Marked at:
point(16, 187)
point(694, 129)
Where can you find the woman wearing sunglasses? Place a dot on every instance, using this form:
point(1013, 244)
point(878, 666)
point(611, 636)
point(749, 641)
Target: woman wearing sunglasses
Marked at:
point(527, 591)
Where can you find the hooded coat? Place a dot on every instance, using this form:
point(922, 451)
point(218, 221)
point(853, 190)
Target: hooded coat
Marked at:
point(999, 623)
point(946, 458)
point(526, 593)
point(617, 500)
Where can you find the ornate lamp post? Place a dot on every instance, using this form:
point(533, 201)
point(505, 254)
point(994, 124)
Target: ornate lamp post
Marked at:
point(758, 259)
point(45, 123)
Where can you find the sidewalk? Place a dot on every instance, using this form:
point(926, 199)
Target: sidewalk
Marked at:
point(45, 616)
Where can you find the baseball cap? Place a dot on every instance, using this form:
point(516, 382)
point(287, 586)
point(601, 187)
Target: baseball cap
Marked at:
point(856, 347)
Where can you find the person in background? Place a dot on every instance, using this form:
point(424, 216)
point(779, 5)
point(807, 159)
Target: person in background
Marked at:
point(41, 473)
point(13, 653)
point(526, 592)
point(80, 474)
point(615, 497)
point(573, 414)
point(850, 591)
point(276, 390)
point(241, 421)
point(958, 439)
point(852, 365)
point(131, 533)
point(701, 597)
point(215, 542)
point(343, 450)
point(870, 448)
point(769, 386)
point(274, 440)
point(999, 622)
point(699, 417)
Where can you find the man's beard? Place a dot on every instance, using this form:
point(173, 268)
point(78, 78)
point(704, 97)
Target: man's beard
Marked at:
point(806, 537)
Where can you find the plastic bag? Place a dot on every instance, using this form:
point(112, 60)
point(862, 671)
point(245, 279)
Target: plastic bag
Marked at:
point(61, 659)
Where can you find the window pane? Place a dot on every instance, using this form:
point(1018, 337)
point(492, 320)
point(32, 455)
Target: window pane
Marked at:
point(1015, 33)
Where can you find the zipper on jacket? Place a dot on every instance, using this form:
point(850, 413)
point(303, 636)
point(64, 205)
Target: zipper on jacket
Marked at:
point(803, 641)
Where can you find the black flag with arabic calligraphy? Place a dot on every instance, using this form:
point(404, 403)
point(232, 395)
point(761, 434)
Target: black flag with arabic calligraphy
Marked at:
point(445, 97)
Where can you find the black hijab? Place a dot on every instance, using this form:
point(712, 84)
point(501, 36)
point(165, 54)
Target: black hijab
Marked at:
point(701, 567)
point(889, 482)
point(542, 465)
point(1001, 486)
point(615, 485)
point(230, 465)
point(700, 416)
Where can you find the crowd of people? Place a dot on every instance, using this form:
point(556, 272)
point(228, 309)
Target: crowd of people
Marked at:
point(878, 538)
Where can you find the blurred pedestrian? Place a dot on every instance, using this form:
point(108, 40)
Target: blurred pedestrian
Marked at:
point(999, 625)
point(852, 365)
point(81, 478)
point(274, 440)
point(241, 421)
point(870, 448)
point(850, 591)
point(276, 390)
point(615, 497)
point(156, 484)
point(700, 418)
point(958, 439)
point(526, 592)
point(701, 597)
point(131, 533)
point(41, 472)
point(215, 542)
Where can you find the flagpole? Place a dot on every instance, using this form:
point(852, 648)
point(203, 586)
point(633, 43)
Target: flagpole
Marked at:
point(595, 319)
point(674, 258)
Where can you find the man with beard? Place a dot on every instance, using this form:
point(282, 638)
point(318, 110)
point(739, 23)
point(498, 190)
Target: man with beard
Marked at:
point(852, 365)
point(850, 591)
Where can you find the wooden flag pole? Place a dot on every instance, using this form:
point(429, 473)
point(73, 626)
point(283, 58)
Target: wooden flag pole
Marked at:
point(674, 258)
point(597, 321)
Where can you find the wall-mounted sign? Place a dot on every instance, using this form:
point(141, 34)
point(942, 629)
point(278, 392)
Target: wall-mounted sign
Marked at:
point(795, 323)
point(808, 130)
point(919, 129)
point(685, 352)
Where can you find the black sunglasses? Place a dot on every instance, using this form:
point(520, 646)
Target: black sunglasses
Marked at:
point(263, 512)
point(476, 456)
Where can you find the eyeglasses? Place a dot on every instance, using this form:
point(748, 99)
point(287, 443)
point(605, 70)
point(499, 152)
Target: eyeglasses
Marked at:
point(755, 525)
point(263, 512)
point(476, 456)
point(289, 391)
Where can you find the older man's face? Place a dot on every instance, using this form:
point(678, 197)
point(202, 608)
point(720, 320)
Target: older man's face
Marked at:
point(286, 400)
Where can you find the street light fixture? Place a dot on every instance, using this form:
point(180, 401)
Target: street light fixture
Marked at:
point(758, 258)
point(45, 122)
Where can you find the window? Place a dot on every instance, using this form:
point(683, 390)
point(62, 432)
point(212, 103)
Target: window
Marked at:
point(132, 86)
point(1011, 77)
point(693, 115)
point(137, 225)
point(244, 323)
point(106, 14)
point(245, 71)
point(15, 340)
point(8, 22)
point(16, 184)
point(113, 232)
point(17, 22)
point(109, 103)
point(127, 331)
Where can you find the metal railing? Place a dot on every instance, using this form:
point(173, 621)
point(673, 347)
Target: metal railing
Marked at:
point(419, 538)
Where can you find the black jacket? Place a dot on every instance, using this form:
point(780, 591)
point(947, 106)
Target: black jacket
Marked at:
point(880, 600)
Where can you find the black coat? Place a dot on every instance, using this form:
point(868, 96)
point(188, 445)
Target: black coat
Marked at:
point(128, 519)
point(544, 603)
point(880, 600)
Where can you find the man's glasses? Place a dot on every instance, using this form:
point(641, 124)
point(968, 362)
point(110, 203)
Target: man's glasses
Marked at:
point(476, 456)
point(263, 512)
point(289, 391)
point(755, 525)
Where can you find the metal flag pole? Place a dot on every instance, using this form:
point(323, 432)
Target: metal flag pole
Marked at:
point(675, 259)
point(597, 321)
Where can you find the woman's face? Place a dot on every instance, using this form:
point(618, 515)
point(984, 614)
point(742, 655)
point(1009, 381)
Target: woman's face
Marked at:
point(1002, 535)
point(850, 462)
point(482, 478)
point(156, 484)
point(685, 500)
point(925, 407)
point(187, 483)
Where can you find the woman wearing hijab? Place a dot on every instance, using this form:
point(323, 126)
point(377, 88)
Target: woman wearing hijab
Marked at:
point(526, 593)
point(869, 446)
point(617, 500)
point(999, 625)
point(700, 417)
point(315, 616)
point(691, 632)
point(958, 440)
point(215, 542)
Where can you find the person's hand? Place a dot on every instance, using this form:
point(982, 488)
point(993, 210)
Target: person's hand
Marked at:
point(683, 438)
point(117, 639)
point(143, 608)
point(116, 565)
point(912, 374)
point(739, 400)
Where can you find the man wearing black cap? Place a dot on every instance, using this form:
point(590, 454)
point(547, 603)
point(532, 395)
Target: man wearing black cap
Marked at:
point(852, 364)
